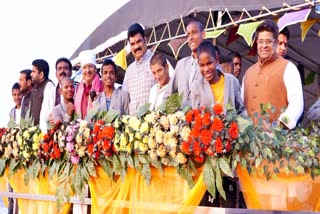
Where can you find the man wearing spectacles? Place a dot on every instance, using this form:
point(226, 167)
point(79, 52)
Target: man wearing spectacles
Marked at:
point(272, 80)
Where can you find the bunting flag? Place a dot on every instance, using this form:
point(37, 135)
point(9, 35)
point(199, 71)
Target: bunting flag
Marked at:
point(247, 30)
point(120, 59)
point(293, 18)
point(305, 27)
point(253, 50)
point(214, 34)
point(176, 45)
point(233, 36)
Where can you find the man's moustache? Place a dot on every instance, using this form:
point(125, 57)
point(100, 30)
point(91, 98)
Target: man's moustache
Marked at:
point(63, 74)
point(138, 49)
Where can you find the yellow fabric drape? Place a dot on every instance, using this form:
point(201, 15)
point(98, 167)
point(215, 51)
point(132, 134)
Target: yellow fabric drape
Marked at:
point(286, 192)
point(4, 188)
point(167, 193)
point(41, 185)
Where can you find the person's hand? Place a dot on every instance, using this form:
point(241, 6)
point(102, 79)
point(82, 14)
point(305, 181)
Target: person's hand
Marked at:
point(51, 120)
point(70, 108)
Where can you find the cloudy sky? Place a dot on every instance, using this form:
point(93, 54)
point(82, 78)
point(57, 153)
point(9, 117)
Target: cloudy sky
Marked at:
point(36, 29)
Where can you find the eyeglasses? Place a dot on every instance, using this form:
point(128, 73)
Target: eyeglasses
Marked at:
point(265, 42)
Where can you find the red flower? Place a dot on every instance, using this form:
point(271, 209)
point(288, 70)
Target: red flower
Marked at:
point(106, 145)
point(198, 120)
point(199, 159)
point(196, 112)
point(206, 136)
point(217, 108)
point(196, 148)
point(90, 148)
point(189, 116)
point(218, 145)
point(217, 125)
point(228, 146)
point(195, 132)
point(185, 148)
point(45, 147)
point(206, 119)
point(56, 152)
point(233, 130)
point(108, 131)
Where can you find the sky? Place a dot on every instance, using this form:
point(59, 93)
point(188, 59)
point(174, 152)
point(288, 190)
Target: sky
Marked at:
point(37, 29)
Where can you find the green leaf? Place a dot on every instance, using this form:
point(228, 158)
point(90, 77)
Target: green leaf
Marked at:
point(300, 169)
point(300, 158)
point(173, 103)
point(146, 173)
point(111, 116)
point(224, 166)
point(143, 110)
point(106, 167)
point(268, 152)
point(130, 161)
point(91, 168)
point(184, 172)
point(192, 166)
point(2, 166)
point(243, 124)
point(219, 183)
point(142, 159)
point(310, 78)
point(208, 179)
point(257, 162)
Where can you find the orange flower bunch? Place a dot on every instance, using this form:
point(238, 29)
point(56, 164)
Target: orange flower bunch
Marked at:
point(101, 140)
point(49, 148)
point(211, 133)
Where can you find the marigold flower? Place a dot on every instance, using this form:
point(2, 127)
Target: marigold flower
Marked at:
point(196, 148)
point(144, 127)
point(45, 147)
point(218, 145)
point(199, 159)
point(106, 145)
point(195, 132)
point(189, 116)
point(206, 120)
point(206, 137)
point(218, 108)
point(90, 148)
point(108, 131)
point(181, 158)
point(217, 125)
point(185, 147)
point(164, 121)
point(233, 130)
point(56, 152)
point(185, 132)
point(152, 143)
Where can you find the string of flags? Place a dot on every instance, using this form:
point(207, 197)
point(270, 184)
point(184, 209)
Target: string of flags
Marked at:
point(245, 30)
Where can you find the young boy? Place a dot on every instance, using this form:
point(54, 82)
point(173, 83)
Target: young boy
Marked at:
point(15, 112)
point(111, 98)
point(160, 71)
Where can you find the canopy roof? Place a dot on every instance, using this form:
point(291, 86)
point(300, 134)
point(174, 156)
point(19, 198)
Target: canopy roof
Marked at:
point(165, 23)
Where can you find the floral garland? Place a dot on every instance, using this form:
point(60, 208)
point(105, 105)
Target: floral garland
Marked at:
point(183, 139)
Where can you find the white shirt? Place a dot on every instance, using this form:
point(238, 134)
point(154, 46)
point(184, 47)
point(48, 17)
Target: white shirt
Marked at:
point(17, 116)
point(292, 82)
point(49, 97)
point(156, 96)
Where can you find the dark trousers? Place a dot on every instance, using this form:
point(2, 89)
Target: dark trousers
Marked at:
point(234, 198)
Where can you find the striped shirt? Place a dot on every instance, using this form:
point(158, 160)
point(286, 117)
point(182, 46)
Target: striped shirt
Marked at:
point(138, 81)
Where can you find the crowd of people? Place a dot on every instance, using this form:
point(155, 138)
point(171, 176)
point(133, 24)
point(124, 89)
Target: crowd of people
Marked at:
point(203, 78)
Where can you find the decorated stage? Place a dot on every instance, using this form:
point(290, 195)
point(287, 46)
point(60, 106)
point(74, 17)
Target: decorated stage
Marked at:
point(160, 161)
